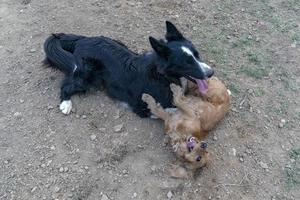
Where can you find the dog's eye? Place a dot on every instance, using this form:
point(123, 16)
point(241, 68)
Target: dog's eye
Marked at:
point(198, 158)
point(203, 145)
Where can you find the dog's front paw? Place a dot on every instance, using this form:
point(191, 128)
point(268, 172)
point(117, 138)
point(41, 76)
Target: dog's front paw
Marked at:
point(66, 107)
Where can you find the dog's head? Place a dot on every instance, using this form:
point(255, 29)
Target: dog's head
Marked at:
point(180, 58)
point(193, 153)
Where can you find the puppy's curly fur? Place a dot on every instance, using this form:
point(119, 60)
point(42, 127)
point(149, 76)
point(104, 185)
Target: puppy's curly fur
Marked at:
point(196, 115)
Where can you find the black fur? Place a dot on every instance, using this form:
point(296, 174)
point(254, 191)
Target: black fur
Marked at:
point(101, 61)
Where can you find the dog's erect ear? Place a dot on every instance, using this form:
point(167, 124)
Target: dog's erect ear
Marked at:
point(172, 32)
point(160, 47)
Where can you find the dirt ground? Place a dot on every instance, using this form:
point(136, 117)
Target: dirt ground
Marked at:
point(255, 49)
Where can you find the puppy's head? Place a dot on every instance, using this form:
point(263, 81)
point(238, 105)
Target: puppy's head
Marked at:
point(193, 152)
point(180, 58)
point(217, 92)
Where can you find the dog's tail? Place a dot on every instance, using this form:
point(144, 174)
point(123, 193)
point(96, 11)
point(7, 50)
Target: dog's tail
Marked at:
point(59, 48)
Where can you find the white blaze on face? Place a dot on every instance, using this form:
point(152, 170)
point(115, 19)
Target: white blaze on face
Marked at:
point(203, 66)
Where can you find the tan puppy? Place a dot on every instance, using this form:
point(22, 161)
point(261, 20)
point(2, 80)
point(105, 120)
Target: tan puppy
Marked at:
point(195, 116)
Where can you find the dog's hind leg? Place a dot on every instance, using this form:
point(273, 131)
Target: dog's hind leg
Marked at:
point(154, 107)
point(70, 86)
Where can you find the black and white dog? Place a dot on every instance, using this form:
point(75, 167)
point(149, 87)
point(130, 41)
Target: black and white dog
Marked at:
point(104, 62)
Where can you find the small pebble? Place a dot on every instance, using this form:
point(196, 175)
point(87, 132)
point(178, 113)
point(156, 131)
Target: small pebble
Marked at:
point(215, 138)
point(104, 197)
point(33, 189)
point(17, 114)
point(263, 165)
point(118, 128)
point(61, 169)
point(83, 116)
point(56, 189)
point(134, 195)
point(169, 195)
point(153, 168)
point(32, 50)
point(93, 137)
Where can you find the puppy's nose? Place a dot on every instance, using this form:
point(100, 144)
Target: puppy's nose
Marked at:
point(210, 73)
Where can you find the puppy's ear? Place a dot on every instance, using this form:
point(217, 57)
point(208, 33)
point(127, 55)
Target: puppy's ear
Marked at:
point(172, 32)
point(160, 47)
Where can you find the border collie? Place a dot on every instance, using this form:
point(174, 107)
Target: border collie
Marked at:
point(104, 62)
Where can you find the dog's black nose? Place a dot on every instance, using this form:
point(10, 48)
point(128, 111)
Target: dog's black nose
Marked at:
point(210, 73)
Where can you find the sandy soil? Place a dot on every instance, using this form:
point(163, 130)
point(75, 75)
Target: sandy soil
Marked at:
point(255, 49)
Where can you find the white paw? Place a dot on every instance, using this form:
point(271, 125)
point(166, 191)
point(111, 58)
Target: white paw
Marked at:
point(66, 107)
point(229, 92)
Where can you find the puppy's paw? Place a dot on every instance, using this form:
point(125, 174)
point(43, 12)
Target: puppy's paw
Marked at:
point(176, 89)
point(148, 99)
point(66, 107)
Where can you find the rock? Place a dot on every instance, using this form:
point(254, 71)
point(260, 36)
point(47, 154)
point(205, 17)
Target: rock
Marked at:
point(134, 195)
point(241, 159)
point(66, 169)
point(102, 129)
point(18, 115)
point(104, 197)
point(56, 189)
point(50, 107)
point(281, 123)
point(83, 116)
point(215, 138)
point(22, 100)
point(233, 152)
point(153, 168)
point(263, 165)
point(61, 169)
point(169, 195)
point(32, 50)
point(33, 189)
point(117, 116)
point(93, 137)
point(118, 128)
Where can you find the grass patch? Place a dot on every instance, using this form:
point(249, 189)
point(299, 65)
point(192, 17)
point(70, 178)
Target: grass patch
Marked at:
point(259, 92)
point(293, 5)
point(292, 171)
point(255, 72)
point(243, 42)
point(254, 58)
